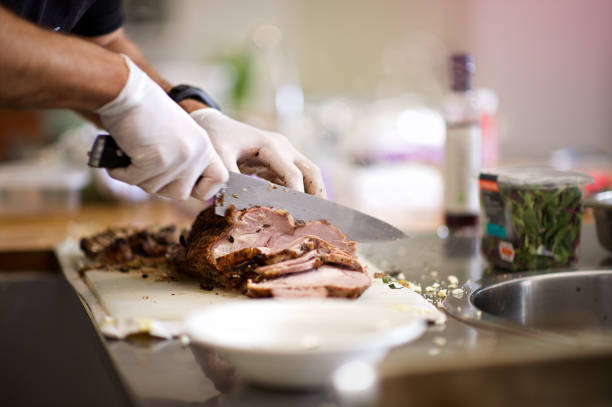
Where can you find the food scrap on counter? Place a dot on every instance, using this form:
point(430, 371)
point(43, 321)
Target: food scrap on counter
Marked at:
point(435, 292)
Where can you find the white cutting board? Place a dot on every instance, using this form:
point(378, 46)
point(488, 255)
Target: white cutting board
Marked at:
point(135, 304)
point(128, 295)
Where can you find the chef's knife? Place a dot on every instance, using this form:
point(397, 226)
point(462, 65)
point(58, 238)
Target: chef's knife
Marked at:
point(244, 191)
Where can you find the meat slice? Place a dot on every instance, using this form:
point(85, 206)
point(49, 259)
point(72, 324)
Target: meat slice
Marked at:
point(328, 232)
point(321, 229)
point(295, 292)
point(329, 253)
point(268, 255)
point(326, 281)
point(323, 253)
point(262, 245)
point(256, 227)
point(308, 261)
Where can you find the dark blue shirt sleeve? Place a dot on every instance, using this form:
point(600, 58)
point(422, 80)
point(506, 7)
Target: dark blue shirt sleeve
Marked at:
point(103, 17)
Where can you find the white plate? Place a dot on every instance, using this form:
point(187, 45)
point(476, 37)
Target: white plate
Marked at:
point(299, 343)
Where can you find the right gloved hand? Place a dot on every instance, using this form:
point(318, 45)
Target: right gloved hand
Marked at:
point(236, 142)
point(169, 150)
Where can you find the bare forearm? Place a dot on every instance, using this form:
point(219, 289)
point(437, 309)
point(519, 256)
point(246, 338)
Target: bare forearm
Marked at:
point(39, 68)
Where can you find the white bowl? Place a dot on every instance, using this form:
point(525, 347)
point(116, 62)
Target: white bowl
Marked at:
point(298, 343)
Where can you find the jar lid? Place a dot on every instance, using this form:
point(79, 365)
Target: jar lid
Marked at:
point(541, 176)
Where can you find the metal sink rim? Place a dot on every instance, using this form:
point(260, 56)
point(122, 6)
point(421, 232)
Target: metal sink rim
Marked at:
point(465, 310)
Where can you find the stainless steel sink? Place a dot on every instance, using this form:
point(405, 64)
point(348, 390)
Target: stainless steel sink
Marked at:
point(570, 305)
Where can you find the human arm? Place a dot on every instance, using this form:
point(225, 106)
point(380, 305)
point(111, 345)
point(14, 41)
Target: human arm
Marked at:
point(50, 70)
point(234, 141)
point(169, 151)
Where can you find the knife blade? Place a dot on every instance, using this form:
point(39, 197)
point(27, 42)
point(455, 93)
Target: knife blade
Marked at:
point(244, 191)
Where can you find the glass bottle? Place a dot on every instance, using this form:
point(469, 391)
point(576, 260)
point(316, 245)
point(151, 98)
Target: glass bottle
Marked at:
point(462, 148)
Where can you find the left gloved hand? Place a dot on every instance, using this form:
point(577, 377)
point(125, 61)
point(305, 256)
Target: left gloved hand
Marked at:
point(237, 142)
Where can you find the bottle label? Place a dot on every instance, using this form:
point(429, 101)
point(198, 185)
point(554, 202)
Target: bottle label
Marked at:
point(462, 161)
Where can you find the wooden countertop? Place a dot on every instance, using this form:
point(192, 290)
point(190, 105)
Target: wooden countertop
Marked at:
point(45, 231)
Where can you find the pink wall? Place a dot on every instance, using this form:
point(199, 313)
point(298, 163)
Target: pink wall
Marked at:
point(550, 61)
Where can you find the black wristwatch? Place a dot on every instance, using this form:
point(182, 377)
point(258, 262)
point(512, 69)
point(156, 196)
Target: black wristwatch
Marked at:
point(182, 92)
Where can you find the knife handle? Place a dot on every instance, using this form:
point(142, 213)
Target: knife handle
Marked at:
point(106, 153)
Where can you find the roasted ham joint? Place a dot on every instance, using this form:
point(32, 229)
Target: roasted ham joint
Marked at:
point(264, 252)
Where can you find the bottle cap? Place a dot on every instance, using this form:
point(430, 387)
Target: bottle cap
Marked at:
point(462, 68)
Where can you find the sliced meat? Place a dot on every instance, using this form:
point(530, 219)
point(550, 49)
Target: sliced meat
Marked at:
point(262, 245)
point(336, 282)
point(294, 292)
point(308, 261)
point(321, 229)
point(323, 253)
point(336, 255)
point(255, 227)
point(268, 255)
point(246, 233)
point(328, 232)
point(259, 251)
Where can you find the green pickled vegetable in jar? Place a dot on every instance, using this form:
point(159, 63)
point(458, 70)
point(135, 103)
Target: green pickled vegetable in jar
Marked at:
point(531, 217)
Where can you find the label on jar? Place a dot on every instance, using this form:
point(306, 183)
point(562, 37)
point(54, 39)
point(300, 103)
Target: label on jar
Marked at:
point(493, 210)
point(462, 161)
point(506, 251)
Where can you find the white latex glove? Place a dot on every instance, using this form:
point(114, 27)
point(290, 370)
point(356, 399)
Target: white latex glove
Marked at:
point(237, 142)
point(169, 151)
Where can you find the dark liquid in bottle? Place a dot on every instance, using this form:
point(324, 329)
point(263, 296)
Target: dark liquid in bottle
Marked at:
point(454, 222)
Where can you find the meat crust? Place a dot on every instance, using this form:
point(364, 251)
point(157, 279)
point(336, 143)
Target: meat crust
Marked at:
point(123, 247)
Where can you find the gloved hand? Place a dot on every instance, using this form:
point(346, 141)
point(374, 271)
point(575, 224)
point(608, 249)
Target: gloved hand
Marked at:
point(169, 151)
point(237, 142)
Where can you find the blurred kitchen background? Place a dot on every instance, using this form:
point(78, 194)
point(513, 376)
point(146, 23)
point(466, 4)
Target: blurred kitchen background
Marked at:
point(357, 85)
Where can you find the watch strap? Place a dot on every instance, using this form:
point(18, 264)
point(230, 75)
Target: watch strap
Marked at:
point(182, 92)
